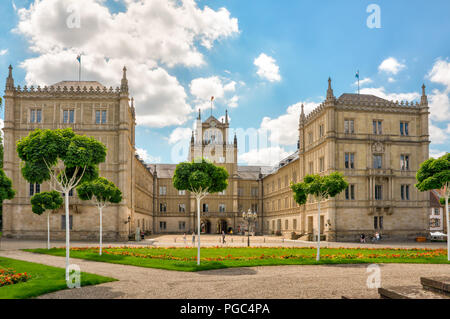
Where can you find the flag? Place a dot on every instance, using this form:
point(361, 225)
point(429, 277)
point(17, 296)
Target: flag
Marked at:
point(79, 58)
point(357, 75)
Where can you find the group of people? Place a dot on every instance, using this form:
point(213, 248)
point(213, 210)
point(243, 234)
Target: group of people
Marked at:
point(193, 237)
point(374, 238)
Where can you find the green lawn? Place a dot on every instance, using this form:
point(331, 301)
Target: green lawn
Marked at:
point(184, 259)
point(44, 279)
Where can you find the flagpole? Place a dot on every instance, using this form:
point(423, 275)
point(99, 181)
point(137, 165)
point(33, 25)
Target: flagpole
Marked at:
point(358, 82)
point(79, 71)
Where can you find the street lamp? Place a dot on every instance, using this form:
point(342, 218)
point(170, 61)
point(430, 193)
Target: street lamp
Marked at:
point(249, 217)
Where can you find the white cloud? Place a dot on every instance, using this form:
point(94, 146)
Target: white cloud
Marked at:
point(269, 156)
point(267, 68)
point(439, 104)
point(233, 102)
point(148, 37)
point(363, 81)
point(391, 66)
point(438, 135)
point(381, 92)
point(3, 52)
point(284, 129)
point(147, 158)
point(440, 73)
point(203, 88)
point(180, 134)
point(436, 153)
point(391, 80)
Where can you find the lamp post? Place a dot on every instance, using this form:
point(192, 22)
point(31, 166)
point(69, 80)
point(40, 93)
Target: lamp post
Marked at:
point(249, 217)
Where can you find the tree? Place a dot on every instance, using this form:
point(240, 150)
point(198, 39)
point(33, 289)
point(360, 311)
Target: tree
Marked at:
point(200, 177)
point(435, 174)
point(63, 158)
point(46, 201)
point(1, 167)
point(321, 187)
point(102, 192)
point(6, 191)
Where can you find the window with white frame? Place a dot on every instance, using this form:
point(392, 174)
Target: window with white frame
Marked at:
point(162, 190)
point(222, 208)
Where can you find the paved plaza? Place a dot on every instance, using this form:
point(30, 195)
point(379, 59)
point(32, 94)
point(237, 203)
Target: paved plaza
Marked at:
point(303, 281)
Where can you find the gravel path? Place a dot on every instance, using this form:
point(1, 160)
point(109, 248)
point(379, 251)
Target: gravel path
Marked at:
point(306, 281)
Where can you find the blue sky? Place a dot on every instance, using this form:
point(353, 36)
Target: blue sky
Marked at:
point(307, 41)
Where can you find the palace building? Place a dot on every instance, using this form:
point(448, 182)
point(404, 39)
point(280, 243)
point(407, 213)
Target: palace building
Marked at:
point(377, 144)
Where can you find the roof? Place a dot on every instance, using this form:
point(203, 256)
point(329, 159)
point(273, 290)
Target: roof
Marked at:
point(251, 172)
point(165, 170)
point(81, 84)
point(353, 97)
point(434, 198)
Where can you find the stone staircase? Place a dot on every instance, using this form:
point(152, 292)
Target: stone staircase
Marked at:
point(432, 288)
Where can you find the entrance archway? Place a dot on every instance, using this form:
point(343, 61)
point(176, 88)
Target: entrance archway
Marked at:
point(222, 225)
point(205, 226)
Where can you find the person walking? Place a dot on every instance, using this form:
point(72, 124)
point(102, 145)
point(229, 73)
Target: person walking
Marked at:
point(223, 237)
point(193, 238)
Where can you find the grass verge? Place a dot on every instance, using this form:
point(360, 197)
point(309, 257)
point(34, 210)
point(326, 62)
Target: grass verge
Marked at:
point(44, 279)
point(184, 259)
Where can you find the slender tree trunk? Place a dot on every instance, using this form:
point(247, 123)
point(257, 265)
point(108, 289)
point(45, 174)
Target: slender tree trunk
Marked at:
point(101, 230)
point(48, 230)
point(66, 197)
point(318, 231)
point(198, 227)
point(448, 225)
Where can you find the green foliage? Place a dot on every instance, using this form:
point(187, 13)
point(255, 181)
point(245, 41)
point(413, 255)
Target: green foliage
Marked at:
point(433, 173)
point(42, 148)
point(101, 189)
point(200, 176)
point(6, 191)
point(321, 187)
point(46, 200)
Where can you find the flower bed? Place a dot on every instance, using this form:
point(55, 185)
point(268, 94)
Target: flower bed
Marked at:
point(11, 277)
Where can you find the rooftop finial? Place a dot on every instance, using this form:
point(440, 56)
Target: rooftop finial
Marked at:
point(302, 114)
point(423, 99)
point(9, 79)
point(330, 94)
point(192, 138)
point(199, 115)
point(235, 139)
point(226, 116)
point(124, 82)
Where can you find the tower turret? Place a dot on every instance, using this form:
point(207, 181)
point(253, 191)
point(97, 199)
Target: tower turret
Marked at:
point(124, 82)
point(330, 95)
point(10, 80)
point(423, 99)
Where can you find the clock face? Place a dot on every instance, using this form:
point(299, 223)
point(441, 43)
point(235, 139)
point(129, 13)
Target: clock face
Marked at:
point(213, 124)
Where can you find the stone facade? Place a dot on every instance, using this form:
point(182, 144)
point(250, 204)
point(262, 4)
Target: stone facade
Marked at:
point(377, 144)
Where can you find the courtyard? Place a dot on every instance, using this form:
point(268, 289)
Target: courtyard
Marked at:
point(275, 281)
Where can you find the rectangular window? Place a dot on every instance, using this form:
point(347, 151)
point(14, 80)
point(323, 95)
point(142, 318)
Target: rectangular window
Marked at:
point(181, 208)
point(34, 189)
point(205, 208)
point(162, 190)
point(322, 164)
point(349, 127)
point(310, 137)
point(404, 129)
point(162, 225)
point(378, 192)
point(63, 222)
point(404, 192)
point(97, 117)
point(162, 207)
point(103, 117)
point(255, 191)
point(380, 222)
point(286, 224)
point(69, 116)
point(349, 160)
point(350, 192)
point(32, 116)
point(182, 193)
point(404, 162)
point(375, 222)
point(377, 161)
point(181, 225)
point(240, 191)
point(436, 211)
point(38, 116)
point(377, 127)
point(321, 130)
point(222, 208)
